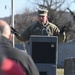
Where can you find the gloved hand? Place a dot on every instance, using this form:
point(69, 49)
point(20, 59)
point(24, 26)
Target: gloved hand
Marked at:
point(14, 31)
point(62, 29)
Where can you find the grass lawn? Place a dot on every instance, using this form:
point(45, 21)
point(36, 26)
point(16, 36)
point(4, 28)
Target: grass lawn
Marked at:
point(60, 71)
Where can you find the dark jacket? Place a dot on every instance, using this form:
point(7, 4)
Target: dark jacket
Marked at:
point(15, 54)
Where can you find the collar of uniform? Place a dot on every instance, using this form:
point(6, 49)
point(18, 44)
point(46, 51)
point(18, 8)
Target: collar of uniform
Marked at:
point(40, 25)
point(47, 23)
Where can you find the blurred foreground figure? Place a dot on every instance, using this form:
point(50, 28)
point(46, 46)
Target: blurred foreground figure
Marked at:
point(9, 67)
point(20, 63)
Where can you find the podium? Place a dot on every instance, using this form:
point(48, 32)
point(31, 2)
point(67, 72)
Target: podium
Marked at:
point(44, 52)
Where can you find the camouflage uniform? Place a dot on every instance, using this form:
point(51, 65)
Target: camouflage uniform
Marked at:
point(37, 29)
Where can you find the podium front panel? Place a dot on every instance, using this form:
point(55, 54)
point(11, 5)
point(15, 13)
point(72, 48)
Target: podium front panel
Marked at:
point(44, 52)
point(43, 49)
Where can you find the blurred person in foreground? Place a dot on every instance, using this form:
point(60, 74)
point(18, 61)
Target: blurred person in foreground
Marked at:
point(21, 61)
point(8, 66)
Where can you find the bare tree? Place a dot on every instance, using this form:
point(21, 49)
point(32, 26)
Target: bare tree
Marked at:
point(52, 6)
point(57, 14)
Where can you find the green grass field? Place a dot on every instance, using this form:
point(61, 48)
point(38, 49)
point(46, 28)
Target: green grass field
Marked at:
point(60, 71)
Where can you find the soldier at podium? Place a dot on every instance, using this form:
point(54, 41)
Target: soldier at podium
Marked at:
point(41, 27)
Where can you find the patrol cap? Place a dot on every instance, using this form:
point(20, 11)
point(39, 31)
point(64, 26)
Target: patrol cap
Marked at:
point(42, 12)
